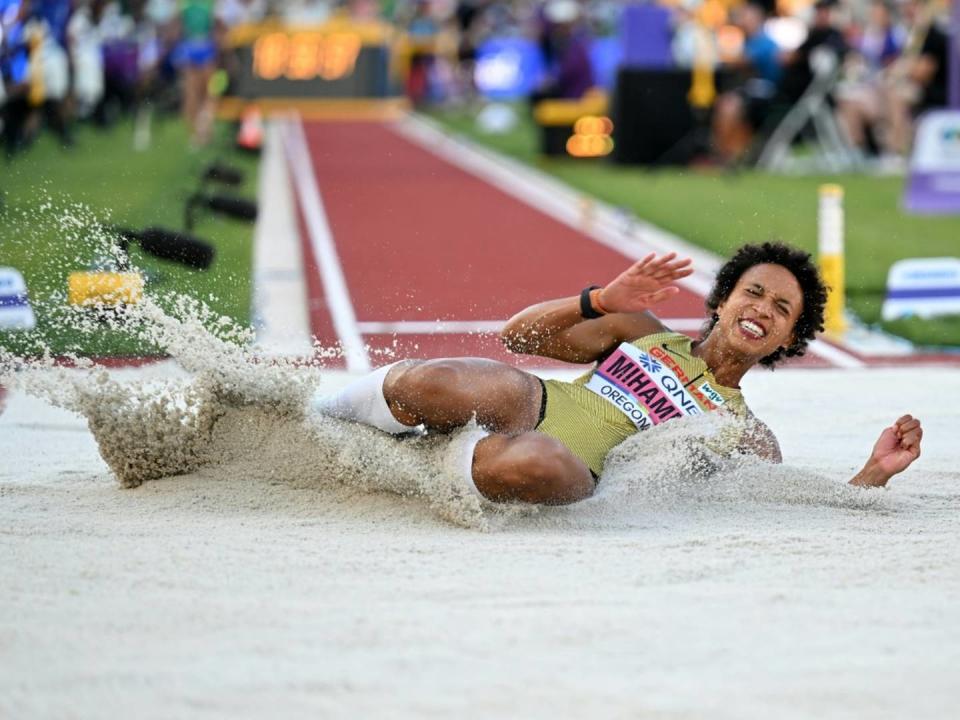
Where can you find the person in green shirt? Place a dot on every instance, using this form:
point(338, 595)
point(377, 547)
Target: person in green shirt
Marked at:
point(195, 56)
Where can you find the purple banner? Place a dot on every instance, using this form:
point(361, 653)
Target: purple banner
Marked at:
point(933, 192)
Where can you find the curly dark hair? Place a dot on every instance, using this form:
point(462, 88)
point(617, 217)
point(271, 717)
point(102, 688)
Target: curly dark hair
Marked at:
point(804, 270)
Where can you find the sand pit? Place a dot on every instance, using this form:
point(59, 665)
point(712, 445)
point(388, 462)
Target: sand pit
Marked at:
point(183, 540)
point(257, 587)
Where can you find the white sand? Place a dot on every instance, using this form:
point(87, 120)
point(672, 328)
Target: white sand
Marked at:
point(280, 579)
point(240, 591)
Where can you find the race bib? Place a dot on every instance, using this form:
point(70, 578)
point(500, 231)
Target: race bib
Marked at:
point(646, 388)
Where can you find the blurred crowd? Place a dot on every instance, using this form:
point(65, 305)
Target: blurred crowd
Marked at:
point(879, 65)
point(64, 61)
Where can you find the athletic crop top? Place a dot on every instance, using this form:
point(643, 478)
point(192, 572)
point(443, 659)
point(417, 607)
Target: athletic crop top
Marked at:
point(657, 378)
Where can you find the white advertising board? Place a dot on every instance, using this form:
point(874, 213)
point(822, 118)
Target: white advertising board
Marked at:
point(923, 287)
point(934, 183)
point(15, 310)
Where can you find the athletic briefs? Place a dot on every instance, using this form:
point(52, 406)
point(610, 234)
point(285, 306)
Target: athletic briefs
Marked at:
point(640, 384)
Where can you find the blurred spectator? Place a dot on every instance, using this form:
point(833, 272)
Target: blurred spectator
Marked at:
point(365, 10)
point(862, 103)
point(86, 54)
point(565, 43)
point(56, 14)
point(15, 69)
point(823, 33)
point(918, 79)
point(468, 15)
point(231, 13)
point(740, 112)
point(195, 56)
point(162, 13)
point(50, 90)
point(881, 40)
point(305, 12)
point(603, 17)
point(120, 61)
point(693, 42)
point(36, 71)
point(422, 31)
point(152, 46)
point(422, 22)
point(502, 18)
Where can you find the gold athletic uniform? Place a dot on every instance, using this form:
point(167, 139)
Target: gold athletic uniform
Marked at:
point(640, 384)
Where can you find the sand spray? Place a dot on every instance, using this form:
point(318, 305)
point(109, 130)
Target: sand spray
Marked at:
point(235, 411)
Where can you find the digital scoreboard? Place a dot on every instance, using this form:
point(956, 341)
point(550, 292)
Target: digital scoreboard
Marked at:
point(338, 60)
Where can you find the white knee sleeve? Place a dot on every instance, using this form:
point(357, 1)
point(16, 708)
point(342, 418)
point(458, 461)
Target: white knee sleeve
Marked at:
point(362, 401)
point(459, 459)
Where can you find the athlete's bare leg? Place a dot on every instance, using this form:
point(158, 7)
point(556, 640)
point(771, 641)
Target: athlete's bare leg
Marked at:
point(445, 394)
point(515, 463)
point(531, 467)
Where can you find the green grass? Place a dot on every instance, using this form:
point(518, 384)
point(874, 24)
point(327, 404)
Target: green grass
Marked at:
point(103, 180)
point(721, 211)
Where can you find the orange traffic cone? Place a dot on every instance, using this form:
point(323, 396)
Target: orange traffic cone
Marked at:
point(250, 135)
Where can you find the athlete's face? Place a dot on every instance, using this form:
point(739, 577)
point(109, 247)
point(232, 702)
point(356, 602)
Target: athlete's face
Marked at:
point(761, 312)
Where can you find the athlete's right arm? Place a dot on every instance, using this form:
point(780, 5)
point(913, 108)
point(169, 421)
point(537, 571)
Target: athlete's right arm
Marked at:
point(894, 452)
point(556, 329)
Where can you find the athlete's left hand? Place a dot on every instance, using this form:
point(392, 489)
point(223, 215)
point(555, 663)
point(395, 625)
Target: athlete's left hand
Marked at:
point(897, 448)
point(644, 284)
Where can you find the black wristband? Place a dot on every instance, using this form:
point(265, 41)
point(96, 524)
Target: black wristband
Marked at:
point(586, 307)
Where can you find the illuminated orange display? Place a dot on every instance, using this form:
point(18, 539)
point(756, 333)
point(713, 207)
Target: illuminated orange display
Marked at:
point(305, 55)
point(591, 137)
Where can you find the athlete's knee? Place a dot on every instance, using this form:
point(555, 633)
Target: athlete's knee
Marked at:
point(533, 468)
point(396, 379)
point(423, 378)
point(430, 391)
point(545, 471)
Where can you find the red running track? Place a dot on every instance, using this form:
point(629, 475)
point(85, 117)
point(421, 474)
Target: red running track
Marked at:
point(421, 240)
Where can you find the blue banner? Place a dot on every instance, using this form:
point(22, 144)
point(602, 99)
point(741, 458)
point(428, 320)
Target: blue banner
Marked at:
point(508, 68)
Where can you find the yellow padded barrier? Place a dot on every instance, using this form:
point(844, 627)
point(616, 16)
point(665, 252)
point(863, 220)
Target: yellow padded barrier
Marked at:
point(104, 288)
point(566, 112)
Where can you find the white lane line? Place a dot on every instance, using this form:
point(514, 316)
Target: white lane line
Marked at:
point(833, 354)
point(604, 223)
point(321, 240)
point(467, 327)
point(431, 327)
point(279, 294)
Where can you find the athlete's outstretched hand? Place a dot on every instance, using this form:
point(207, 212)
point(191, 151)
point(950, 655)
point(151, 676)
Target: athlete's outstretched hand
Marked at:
point(897, 448)
point(644, 284)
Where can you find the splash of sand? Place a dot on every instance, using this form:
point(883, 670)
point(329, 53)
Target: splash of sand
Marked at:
point(236, 409)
